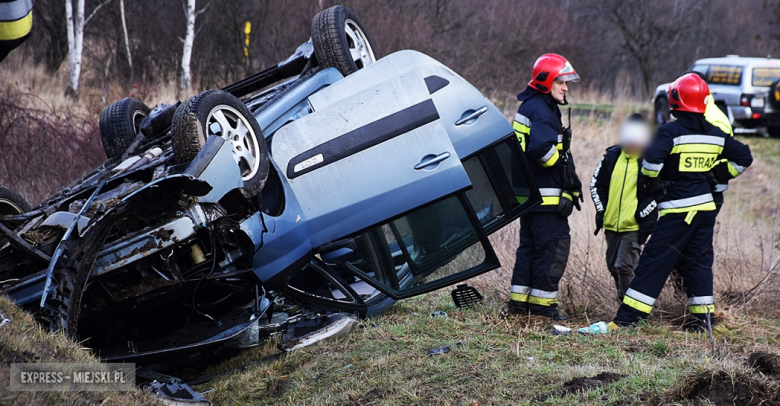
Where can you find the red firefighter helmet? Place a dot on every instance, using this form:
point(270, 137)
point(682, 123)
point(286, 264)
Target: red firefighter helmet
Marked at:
point(550, 67)
point(689, 93)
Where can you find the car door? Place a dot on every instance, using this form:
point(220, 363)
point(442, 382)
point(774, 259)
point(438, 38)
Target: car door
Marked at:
point(363, 160)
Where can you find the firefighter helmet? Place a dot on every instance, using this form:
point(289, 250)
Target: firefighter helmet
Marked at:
point(689, 93)
point(550, 67)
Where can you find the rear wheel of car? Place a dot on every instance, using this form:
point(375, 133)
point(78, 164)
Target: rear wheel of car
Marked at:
point(773, 131)
point(119, 123)
point(221, 114)
point(661, 111)
point(11, 202)
point(341, 41)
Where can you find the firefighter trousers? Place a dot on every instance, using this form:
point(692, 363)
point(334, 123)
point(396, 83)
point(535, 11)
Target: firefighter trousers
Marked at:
point(540, 261)
point(676, 236)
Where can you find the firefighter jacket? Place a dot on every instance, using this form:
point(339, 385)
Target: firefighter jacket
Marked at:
point(681, 157)
point(538, 127)
point(619, 194)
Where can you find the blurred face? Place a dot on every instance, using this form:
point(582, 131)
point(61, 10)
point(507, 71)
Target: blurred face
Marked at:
point(559, 90)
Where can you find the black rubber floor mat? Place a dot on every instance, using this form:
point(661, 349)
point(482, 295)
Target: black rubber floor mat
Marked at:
point(465, 296)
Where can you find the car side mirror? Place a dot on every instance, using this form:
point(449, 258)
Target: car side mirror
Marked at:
point(338, 251)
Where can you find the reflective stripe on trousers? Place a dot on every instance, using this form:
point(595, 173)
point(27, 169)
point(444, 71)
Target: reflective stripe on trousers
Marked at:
point(639, 301)
point(701, 305)
point(542, 297)
point(519, 293)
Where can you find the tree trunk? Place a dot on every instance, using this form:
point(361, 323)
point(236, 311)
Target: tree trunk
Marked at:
point(75, 43)
point(186, 76)
point(127, 41)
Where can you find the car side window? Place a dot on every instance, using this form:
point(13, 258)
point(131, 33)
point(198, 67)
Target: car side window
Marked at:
point(502, 188)
point(724, 75)
point(423, 249)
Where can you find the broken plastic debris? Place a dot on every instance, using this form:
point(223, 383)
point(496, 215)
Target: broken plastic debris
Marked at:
point(439, 351)
point(439, 313)
point(558, 330)
point(176, 393)
point(4, 320)
point(598, 328)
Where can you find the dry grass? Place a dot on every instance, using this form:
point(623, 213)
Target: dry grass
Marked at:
point(24, 340)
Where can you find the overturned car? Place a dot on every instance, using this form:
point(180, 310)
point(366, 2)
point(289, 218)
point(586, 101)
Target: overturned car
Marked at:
point(333, 183)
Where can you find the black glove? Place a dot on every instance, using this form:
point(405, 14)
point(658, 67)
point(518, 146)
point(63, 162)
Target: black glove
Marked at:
point(565, 206)
point(577, 198)
point(658, 189)
point(720, 173)
point(599, 223)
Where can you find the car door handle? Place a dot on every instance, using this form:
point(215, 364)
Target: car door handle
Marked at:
point(431, 161)
point(471, 116)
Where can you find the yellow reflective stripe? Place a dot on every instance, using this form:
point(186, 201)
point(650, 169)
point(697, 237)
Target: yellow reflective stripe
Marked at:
point(542, 301)
point(521, 199)
point(521, 131)
point(702, 309)
point(701, 148)
point(689, 217)
point(652, 174)
point(566, 195)
point(631, 302)
point(12, 30)
point(709, 206)
point(518, 297)
point(550, 162)
point(559, 146)
point(733, 171)
point(550, 200)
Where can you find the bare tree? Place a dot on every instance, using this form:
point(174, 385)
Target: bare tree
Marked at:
point(191, 12)
point(127, 41)
point(649, 28)
point(76, 40)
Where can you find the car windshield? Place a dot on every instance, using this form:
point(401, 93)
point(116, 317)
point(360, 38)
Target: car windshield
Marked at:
point(724, 75)
point(765, 76)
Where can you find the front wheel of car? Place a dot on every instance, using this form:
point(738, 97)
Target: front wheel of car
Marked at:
point(218, 113)
point(661, 111)
point(341, 41)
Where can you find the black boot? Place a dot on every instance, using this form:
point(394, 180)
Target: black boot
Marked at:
point(517, 308)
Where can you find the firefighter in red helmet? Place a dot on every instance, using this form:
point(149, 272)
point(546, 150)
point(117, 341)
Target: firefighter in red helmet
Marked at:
point(544, 232)
point(685, 157)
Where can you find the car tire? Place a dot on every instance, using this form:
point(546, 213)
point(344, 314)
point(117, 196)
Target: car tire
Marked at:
point(774, 95)
point(218, 113)
point(11, 202)
point(661, 111)
point(119, 123)
point(341, 41)
point(773, 131)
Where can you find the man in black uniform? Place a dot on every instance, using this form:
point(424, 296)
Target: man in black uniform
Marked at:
point(544, 232)
point(679, 164)
point(16, 22)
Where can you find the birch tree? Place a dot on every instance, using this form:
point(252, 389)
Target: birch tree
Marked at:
point(186, 76)
point(75, 25)
point(75, 43)
point(190, 11)
point(127, 41)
